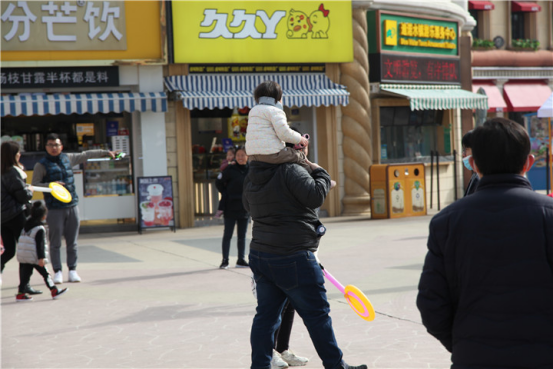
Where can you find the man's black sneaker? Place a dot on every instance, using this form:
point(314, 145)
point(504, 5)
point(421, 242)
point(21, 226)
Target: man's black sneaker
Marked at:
point(355, 367)
point(241, 263)
point(31, 291)
point(224, 264)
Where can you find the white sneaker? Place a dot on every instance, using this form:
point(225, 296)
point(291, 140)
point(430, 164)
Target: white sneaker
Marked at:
point(58, 278)
point(292, 359)
point(73, 276)
point(277, 362)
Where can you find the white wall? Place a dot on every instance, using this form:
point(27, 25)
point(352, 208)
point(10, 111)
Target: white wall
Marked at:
point(149, 133)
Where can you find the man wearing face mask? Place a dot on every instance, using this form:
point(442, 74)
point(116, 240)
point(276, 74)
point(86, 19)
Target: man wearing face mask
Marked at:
point(486, 290)
point(467, 154)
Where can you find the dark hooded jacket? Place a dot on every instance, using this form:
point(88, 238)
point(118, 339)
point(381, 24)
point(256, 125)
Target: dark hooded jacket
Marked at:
point(282, 200)
point(486, 290)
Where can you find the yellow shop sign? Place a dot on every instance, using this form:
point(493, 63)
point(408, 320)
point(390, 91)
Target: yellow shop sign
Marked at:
point(262, 31)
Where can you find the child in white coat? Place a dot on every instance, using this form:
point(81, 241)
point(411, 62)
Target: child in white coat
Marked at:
point(32, 253)
point(268, 129)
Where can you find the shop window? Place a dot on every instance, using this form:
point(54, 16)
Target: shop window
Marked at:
point(474, 13)
point(407, 135)
point(518, 20)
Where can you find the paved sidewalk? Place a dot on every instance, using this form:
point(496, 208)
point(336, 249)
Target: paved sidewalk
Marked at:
point(158, 300)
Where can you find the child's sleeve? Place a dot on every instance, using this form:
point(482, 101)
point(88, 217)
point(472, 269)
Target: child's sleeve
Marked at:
point(39, 241)
point(282, 129)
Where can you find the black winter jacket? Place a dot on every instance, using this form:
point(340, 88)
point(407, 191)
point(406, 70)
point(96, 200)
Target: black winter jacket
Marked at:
point(486, 290)
point(231, 180)
point(15, 195)
point(282, 200)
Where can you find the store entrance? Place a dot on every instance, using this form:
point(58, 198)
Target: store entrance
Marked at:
point(105, 187)
point(213, 131)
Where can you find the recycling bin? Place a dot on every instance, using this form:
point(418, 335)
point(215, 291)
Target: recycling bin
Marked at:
point(397, 190)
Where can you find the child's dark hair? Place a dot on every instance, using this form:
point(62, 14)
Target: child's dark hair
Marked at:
point(38, 211)
point(269, 89)
point(232, 150)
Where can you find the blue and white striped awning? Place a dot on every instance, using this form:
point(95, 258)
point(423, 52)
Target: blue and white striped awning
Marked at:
point(42, 104)
point(201, 91)
point(437, 97)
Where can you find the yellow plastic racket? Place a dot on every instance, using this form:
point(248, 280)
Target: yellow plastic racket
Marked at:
point(58, 191)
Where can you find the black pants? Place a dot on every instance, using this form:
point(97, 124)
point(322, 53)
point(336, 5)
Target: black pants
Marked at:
point(282, 334)
point(11, 230)
point(25, 273)
point(227, 236)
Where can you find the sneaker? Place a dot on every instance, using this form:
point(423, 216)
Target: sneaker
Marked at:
point(292, 359)
point(23, 297)
point(224, 264)
point(241, 263)
point(56, 292)
point(58, 277)
point(31, 291)
point(277, 362)
point(346, 366)
point(74, 277)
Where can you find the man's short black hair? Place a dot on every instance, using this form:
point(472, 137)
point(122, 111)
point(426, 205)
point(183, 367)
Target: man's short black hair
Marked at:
point(52, 137)
point(466, 140)
point(500, 146)
point(269, 89)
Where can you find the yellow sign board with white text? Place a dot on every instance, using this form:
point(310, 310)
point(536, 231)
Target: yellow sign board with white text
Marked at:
point(262, 31)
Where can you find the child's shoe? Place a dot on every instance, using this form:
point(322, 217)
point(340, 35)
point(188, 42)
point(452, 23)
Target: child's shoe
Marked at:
point(56, 292)
point(219, 214)
point(23, 297)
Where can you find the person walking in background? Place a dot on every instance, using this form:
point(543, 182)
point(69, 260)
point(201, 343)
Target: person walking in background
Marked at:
point(231, 180)
point(486, 289)
point(16, 197)
point(231, 152)
point(467, 154)
point(63, 218)
point(32, 253)
point(283, 199)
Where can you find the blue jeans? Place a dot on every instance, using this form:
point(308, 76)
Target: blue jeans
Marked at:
point(299, 278)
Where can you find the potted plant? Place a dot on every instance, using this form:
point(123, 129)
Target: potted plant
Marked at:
point(480, 44)
point(525, 45)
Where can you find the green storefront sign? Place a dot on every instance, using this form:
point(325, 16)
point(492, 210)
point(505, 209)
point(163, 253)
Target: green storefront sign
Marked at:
point(408, 34)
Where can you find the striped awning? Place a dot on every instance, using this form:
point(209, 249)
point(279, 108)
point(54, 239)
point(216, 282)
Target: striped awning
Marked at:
point(42, 104)
point(440, 97)
point(206, 91)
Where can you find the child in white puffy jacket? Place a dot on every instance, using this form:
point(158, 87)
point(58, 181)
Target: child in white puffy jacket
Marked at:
point(268, 129)
point(32, 253)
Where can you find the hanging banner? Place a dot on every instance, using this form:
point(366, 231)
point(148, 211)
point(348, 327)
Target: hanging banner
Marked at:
point(262, 31)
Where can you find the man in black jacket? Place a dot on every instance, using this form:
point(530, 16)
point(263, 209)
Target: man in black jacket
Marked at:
point(486, 290)
point(282, 199)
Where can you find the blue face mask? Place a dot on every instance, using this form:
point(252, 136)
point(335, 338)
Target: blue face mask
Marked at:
point(266, 100)
point(466, 162)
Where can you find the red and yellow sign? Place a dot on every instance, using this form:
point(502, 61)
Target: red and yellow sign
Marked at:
point(262, 31)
